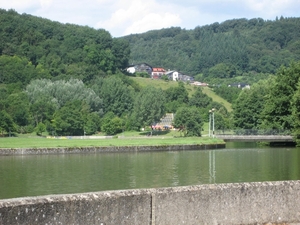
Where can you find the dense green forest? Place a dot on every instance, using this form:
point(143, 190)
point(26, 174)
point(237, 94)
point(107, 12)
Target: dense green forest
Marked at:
point(65, 79)
point(238, 48)
point(54, 50)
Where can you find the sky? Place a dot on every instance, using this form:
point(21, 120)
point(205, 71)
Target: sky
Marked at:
point(124, 17)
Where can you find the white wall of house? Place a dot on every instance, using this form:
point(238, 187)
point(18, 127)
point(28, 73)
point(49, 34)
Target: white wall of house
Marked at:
point(175, 76)
point(131, 70)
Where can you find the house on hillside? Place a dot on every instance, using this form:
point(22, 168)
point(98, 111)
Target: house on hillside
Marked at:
point(178, 76)
point(239, 85)
point(173, 75)
point(157, 72)
point(141, 67)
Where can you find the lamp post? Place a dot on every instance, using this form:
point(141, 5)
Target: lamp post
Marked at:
point(209, 123)
point(213, 121)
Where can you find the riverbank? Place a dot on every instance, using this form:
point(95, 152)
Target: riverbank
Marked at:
point(103, 141)
point(104, 149)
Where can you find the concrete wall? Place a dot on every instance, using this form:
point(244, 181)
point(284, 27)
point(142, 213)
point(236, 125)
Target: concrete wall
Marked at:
point(30, 151)
point(243, 203)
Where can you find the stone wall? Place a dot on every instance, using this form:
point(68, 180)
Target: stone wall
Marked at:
point(239, 203)
point(30, 151)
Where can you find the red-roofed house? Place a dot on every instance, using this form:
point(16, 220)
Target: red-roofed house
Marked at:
point(157, 72)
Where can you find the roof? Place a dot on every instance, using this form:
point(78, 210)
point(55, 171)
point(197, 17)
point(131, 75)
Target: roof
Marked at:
point(158, 69)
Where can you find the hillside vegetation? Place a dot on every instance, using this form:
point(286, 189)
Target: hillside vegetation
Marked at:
point(65, 79)
point(247, 50)
point(143, 82)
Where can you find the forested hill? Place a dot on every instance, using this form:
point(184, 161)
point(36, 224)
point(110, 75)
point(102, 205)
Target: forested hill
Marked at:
point(232, 48)
point(32, 47)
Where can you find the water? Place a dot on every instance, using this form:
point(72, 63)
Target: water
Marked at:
point(75, 173)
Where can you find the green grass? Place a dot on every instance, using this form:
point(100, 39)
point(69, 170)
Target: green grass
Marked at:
point(158, 83)
point(124, 139)
point(217, 98)
point(143, 82)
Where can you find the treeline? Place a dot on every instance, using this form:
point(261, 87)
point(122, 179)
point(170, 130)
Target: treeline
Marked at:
point(110, 105)
point(272, 104)
point(47, 49)
point(65, 79)
point(238, 49)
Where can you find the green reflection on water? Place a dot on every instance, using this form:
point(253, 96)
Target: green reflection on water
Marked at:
point(59, 174)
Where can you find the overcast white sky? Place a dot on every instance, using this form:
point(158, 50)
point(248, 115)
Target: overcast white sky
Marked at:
point(123, 17)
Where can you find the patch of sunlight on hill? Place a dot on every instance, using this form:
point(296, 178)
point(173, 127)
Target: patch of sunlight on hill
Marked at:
point(217, 98)
point(143, 82)
point(158, 83)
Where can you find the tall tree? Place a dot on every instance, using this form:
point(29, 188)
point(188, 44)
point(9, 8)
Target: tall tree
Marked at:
point(69, 119)
point(277, 113)
point(149, 106)
point(116, 95)
point(188, 119)
point(296, 114)
point(248, 107)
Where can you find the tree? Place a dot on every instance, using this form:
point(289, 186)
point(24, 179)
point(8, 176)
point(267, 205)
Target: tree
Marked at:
point(113, 126)
point(69, 120)
point(296, 114)
point(176, 97)
point(199, 99)
point(40, 128)
point(247, 109)
point(149, 106)
point(6, 122)
point(60, 92)
point(116, 95)
point(92, 123)
point(277, 112)
point(188, 119)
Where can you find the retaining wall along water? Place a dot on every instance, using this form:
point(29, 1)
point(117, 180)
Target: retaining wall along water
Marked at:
point(237, 203)
point(31, 151)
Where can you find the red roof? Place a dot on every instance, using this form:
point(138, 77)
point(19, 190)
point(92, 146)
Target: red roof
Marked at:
point(158, 69)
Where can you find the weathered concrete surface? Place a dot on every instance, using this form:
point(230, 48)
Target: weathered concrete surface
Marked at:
point(121, 207)
point(243, 203)
point(36, 151)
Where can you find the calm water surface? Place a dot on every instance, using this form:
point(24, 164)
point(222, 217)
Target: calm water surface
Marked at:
point(59, 174)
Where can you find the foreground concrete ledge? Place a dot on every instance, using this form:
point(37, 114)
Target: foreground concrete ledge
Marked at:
point(74, 150)
point(235, 203)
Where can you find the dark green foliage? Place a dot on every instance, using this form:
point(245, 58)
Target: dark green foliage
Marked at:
point(188, 120)
point(92, 123)
point(17, 105)
point(247, 109)
point(228, 93)
point(116, 95)
point(113, 126)
point(149, 107)
point(176, 97)
point(277, 113)
point(199, 99)
point(63, 50)
point(6, 122)
point(69, 120)
point(15, 69)
point(40, 128)
point(296, 114)
point(229, 49)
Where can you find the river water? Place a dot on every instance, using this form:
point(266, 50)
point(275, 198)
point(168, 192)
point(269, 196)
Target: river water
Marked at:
point(35, 175)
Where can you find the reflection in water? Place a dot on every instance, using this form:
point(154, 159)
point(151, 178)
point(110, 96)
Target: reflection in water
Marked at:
point(212, 167)
point(54, 174)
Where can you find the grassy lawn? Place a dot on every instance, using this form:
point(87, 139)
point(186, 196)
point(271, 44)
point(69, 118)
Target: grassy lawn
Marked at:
point(217, 98)
point(124, 139)
point(158, 83)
